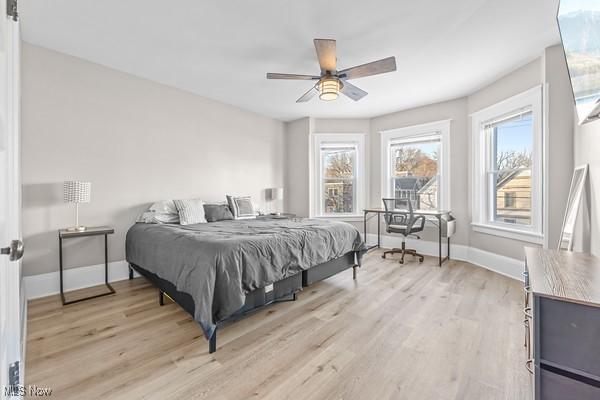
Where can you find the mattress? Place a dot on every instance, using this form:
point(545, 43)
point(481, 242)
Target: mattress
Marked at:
point(218, 263)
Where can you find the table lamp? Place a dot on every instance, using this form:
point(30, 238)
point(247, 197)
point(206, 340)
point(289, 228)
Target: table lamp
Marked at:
point(275, 195)
point(76, 192)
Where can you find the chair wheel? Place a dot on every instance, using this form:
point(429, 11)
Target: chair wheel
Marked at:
point(383, 256)
point(421, 259)
point(401, 261)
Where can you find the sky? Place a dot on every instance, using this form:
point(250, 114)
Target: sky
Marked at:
point(567, 6)
point(516, 135)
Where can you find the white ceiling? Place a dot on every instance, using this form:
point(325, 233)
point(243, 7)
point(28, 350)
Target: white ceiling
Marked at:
point(222, 49)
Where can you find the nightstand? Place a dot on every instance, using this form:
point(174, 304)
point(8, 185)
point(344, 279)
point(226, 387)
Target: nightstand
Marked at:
point(90, 231)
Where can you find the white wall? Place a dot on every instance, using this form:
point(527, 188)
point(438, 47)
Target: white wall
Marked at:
point(587, 143)
point(454, 110)
point(518, 81)
point(297, 142)
point(560, 151)
point(137, 142)
point(548, 70)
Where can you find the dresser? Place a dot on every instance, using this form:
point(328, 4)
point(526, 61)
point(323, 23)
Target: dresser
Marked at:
point(562, 323)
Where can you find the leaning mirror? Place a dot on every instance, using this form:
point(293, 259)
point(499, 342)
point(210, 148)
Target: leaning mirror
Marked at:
point(579, 25)
point(575, 194)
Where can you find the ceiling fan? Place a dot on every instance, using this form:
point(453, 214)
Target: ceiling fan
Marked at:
point(331, 81)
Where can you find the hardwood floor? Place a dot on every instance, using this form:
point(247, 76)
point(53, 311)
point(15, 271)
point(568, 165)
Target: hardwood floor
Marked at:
point(413, 331)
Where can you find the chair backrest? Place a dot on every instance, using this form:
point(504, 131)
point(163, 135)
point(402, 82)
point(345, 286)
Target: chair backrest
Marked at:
point(405, 204)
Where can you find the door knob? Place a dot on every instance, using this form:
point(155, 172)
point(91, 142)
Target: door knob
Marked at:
point(14, 251)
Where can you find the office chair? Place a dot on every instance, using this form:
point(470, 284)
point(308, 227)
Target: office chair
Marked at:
point(406, 224)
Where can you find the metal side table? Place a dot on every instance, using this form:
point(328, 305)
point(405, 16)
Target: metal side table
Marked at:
point(90, 231)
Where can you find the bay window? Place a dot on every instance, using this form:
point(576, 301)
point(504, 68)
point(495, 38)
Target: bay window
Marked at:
point(415, 164)
point(338, 176)
point(507, 168)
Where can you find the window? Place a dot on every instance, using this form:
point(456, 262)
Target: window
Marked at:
point(338, 175)
point(507, 168)
point(510, 199)
point(415, 164)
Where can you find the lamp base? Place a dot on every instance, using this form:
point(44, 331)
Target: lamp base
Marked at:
point(77, 229)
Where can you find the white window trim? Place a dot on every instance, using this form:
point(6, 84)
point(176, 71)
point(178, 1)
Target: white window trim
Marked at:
point(480, 221)
point(316, 178)
point(441, 128)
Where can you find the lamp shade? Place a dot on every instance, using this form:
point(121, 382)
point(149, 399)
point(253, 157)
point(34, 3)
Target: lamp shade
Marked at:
point(76, 192)
point(275, 194)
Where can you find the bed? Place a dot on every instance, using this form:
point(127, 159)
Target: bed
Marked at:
point(222, 270)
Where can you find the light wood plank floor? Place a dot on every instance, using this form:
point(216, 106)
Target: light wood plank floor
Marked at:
point(412, 331)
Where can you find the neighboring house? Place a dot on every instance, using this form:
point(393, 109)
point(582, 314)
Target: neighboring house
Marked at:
point(338, 197)
point(513, 198)
point(428, 194)
point(421, 190)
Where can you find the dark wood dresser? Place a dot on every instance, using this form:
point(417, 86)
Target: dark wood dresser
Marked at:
point(562, 323)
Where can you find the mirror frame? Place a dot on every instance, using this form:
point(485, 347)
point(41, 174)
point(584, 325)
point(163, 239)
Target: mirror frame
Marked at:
point(594, 113)
point(575, 194)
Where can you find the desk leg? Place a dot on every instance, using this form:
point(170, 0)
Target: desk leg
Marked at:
point(365, 225)
point(440, 239)
point(378, 230)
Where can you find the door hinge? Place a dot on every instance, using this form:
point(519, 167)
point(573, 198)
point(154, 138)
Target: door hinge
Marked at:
point(11, 9)
point(13, 374)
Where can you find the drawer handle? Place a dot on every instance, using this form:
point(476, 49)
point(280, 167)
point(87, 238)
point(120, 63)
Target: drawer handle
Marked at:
point(528, 365)
point(525, 344)
point(527, 289)
point(527, 312)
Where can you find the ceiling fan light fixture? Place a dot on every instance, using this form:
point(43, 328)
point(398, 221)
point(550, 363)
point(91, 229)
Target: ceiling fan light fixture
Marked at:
point(329, 88)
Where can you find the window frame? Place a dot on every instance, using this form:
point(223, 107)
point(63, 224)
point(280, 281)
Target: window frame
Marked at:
point(415, 134)
point(481, 158)
point(356, 140)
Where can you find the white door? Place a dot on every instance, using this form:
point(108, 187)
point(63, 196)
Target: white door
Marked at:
point(12, 302)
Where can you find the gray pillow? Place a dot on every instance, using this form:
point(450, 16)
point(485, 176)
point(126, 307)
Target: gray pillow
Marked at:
point(241, 207)
point(191, 211)
point(217, 212)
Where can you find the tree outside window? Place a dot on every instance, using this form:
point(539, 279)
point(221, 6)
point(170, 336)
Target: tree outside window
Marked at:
point(338, 180)
point(415, 167)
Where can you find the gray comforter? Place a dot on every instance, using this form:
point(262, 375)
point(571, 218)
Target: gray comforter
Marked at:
point(218, 263)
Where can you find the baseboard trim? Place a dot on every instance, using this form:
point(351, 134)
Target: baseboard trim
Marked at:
point(502, 265)
point(43, 285)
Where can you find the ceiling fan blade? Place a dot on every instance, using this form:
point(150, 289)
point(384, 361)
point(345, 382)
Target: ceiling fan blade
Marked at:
point(271, 75)
point(308, 95)
point(352, 91)
point(372, 68)
point(326, 54)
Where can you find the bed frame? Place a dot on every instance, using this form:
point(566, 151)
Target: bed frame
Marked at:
point(283, 290)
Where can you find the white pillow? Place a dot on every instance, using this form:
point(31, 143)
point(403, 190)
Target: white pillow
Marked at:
point(191, 211)
point(161, 212)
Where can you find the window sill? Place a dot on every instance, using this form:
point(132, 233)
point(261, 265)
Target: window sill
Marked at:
point(523, 236)
point(349, 218)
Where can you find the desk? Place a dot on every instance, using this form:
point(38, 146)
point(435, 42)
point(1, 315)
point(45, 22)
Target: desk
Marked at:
point(428, 214)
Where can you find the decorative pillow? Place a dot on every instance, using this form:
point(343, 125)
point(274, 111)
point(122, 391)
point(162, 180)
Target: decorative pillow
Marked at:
point(217, 212)
point(161, 212)
point(191, 211)
point(241, 207)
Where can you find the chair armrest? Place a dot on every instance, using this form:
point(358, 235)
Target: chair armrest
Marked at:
point(421, 226)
